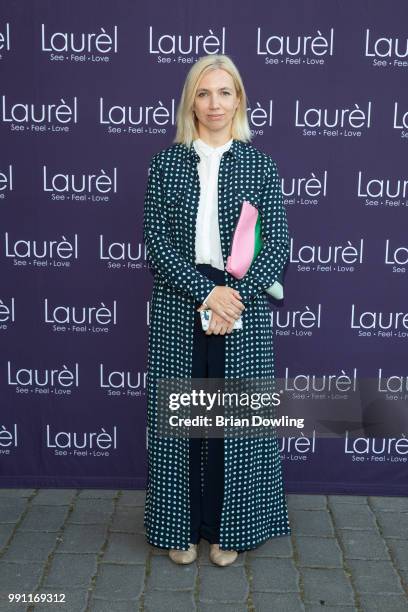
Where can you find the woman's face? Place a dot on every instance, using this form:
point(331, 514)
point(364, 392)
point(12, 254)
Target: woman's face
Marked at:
point(215, 101)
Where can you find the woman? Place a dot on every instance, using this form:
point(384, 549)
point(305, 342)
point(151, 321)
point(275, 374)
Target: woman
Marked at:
point(227, 490)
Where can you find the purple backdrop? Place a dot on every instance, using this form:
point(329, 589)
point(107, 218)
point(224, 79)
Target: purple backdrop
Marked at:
point(88, 94)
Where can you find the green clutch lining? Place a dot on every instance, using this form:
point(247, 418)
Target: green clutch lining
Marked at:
point(258, 237)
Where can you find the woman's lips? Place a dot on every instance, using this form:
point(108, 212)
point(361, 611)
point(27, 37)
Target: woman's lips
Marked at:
point(215, 116)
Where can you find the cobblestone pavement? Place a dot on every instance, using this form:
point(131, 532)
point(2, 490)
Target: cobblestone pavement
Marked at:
point(345, 553)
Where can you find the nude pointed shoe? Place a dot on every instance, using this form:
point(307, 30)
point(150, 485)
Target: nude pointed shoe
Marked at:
point(222, 557)
point(183, 557)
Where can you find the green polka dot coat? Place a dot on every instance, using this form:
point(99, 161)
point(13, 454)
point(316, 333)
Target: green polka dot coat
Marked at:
point(254, 506)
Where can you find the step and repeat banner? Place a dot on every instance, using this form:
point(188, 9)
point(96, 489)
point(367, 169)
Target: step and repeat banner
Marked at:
point(89, 93)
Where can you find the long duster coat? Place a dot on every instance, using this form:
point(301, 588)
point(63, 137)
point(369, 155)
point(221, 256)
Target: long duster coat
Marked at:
point(254, 506)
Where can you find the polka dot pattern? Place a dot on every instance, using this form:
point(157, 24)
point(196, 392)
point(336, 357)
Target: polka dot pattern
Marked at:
point(254, 506)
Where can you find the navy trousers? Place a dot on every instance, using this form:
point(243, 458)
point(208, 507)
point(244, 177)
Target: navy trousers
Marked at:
point(206, 494)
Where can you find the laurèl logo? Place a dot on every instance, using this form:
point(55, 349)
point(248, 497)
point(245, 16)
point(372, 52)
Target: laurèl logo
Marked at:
point(392, 384)
point(92, 315)
point(6, 181)
point(260, 116)
point(8, 438)
point(305, 189)
point(5, 38)
point(297, 448)
point(396, 256)
point(376, 449)
point(83, 443)
point(92, 183)
point(320, 383)
point(390, 47)
point(117, 382)
point(185, 45)
point(44, 379)
point(148, 119)
point(400, 120)
point(378, 323)
point(330, 121)
point(296, 322)
point(41, 252)
point(37, 117)
point(122, 254)
point(382, 190)
point(7, 312)
point(103, 41)
point(344, 255)
point(293, 48)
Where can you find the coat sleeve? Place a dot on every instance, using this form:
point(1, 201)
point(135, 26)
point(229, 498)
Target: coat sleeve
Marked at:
point(271, 259)
point(166, 261)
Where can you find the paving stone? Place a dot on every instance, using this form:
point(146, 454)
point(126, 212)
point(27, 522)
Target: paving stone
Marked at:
point(362, 545)
point(75, 600)
point(30, 546)
point(82, 538)
point(319, 552)
point(404, 578)
point(6, 531)
point(270, 602)
point(349, 516)
point(126, 548)
point(132, 498)
point(221, 607)
point(5, 606)
point(399, 553)
point(383, 603)
point(11, 510)
point(106, 605)
point(326, 586)
point(319, 608)
point(393, 524)
point(278, 575)
point(347, 499)
point(169, 601)
point(374, 576)
point(306, 502)
point(44, 518)
point(391, 504)
point(168, 576)
point(223, 584)
point(71, 570)
point(16, 493)
point(128, 519)
point(279, 546)
point(55, 497)
point(19, 577)
point(30, 519)
point(97, 494)
point(87, 512)
point(116, 581)
point(311, 522)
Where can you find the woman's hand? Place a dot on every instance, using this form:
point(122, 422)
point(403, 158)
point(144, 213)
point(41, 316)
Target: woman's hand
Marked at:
point(226, 303)
point(218, 325)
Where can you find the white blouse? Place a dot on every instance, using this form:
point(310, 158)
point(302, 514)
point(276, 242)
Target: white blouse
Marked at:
point(208, 242)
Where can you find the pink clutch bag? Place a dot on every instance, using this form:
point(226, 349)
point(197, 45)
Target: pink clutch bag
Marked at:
point(246, 244)
point(243, 242)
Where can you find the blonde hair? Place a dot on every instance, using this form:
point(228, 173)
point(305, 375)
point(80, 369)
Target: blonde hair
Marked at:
point(186, 120)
